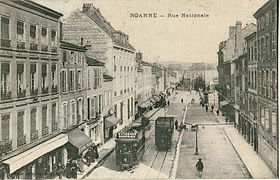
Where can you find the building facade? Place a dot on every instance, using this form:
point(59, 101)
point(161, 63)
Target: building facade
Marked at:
point(111, 47)
point(267, 39)
point(30, 39)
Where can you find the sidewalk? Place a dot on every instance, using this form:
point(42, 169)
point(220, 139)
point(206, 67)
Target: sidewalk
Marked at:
point(255, 165)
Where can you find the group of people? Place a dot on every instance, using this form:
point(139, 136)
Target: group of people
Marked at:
point(73, 166)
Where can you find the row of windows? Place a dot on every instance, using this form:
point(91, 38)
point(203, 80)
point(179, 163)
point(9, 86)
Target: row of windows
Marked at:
point(130, 109)
point(252, 79)
point(47, 121)
point(36, 72)
point(71, 80)
point(267, 47)
point(72, 113)
point(32, 31)
point(267, 85)
point(268, 120)
point(72, 57)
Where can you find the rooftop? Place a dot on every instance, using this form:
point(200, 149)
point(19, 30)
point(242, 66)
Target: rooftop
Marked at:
point(94, 62)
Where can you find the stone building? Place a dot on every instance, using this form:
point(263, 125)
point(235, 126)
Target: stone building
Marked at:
point(29, 98)
point(229, 50)
point(267, 19)
point(104, 43)
point(252, 89)
point(72, 100)
point(158, 80)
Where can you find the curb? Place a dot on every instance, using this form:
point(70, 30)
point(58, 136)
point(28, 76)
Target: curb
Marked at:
point(250, 175)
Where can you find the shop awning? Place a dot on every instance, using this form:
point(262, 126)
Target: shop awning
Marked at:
point(146, 104)
point(111, 121)
point(152, 100)
point(79, 139)
point(223, 103)
point(156, 98)
point(32, 154)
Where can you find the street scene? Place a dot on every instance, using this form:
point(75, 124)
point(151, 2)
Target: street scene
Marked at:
point(139, 89)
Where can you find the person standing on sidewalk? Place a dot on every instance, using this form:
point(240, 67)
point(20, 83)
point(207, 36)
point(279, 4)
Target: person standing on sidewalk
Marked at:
point(212, 108)
point(176, 124)
point(217, 112)
point(182, 100)
point(206, 108)
point(199, 166)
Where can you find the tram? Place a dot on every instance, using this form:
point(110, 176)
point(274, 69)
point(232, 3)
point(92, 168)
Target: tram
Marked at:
point(164, 127)
point(130, 146)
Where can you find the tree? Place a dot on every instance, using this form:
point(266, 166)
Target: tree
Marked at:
point(198, 83)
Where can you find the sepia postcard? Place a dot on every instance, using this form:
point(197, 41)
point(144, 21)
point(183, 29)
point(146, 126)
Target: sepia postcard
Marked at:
point(139, 89)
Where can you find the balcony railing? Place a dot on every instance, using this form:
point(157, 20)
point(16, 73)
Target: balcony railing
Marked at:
point(6, 43)
point(54, 126)
point(21, 140)
point(93, 120)
point(54, 89)
point(6, 95)
point(33, 92)
point(45, 48)
point(5, 147)
point(45, 131)
point(34, 135)
point(33, 46)
point(21, 93)
point(20, 45)
point(45, 90)
point(54, 49)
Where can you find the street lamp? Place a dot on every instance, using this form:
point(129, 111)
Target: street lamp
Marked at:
point(196, 144)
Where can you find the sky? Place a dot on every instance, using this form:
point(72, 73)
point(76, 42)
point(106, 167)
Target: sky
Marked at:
point(170, 39)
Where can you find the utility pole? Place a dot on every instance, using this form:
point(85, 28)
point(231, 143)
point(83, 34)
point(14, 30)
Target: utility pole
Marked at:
point(196, 144)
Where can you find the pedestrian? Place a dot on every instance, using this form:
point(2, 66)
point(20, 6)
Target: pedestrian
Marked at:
point(176, 124)
point(87, 157)
point(206, 108)
point(199, 166)
point(182, 100)
point(168, 102)
point(68, 169)
point(212, 108)
point(217, 112)
point(59, 170)
point(74, 169)
point(80, 164)
point(95, 151)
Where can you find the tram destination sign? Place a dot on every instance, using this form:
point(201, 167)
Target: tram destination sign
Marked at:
point(129, 135)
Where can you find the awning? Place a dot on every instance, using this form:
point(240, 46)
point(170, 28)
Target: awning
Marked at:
point(152, 100)
point(146, 104)
point(79, 139)
point(157, 98)
point(223, 103)
point(111, 121)
point(32, 154)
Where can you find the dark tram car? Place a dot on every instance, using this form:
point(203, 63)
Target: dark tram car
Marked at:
point(130, 147)
point(164, 128)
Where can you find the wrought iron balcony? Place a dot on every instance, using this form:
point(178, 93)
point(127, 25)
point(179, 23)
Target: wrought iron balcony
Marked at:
point(6, 43)
point(45, 48)
point(45, 90)
point(5, 146)
point(34, 135)
point(33, 46)
point(6, 95)
point(54, 49)
point(45, 131)
point(21, 140)
point(54, 126)
point(21, 93)
point(54, 89)
point(20, 45)
point(33, 92)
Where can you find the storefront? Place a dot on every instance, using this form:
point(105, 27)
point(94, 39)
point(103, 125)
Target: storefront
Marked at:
point(78, 143)
point(110, 124)
point(39, 161)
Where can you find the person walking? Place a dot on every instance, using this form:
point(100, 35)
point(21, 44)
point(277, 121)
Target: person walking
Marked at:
point(206, 108)
point(182, 100)
point(212, 108)
point(199, 166)
point(168, 102)
point(59, 170)
point(68, 169)
point(74, 169)
point(217, 112)
point(176, 124)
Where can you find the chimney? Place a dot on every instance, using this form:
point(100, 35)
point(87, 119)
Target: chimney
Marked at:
point(232, 30)
point(139, 55)
point(238, 26)
point(87, 6)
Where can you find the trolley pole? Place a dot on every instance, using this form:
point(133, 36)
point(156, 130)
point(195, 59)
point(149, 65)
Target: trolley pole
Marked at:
point(196, 145)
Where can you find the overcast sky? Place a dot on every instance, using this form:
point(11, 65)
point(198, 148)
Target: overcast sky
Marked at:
point(171, 39)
